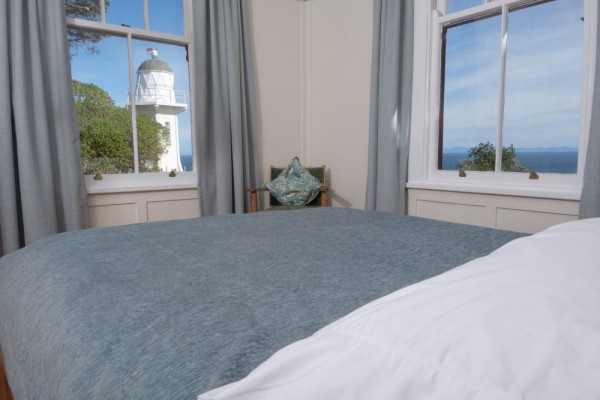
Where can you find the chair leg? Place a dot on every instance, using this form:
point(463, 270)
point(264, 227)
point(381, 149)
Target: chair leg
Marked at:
point(323, 199)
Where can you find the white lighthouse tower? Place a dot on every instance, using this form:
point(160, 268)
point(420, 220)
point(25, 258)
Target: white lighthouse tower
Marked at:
point(155, 95)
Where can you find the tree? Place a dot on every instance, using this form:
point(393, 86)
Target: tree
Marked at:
point(106, 134)
point(483, 158)
point(81, 39)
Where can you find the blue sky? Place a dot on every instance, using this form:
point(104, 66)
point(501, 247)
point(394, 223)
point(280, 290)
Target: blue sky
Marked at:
point(109, 68)
point(543, 77)
point(458, 5)
point(165, 15)
point(543, 71)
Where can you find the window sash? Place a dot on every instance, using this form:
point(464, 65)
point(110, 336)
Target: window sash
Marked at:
point(423, 162)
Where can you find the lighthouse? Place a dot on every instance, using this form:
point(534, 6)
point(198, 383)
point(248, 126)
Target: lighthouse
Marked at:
point(155, 95)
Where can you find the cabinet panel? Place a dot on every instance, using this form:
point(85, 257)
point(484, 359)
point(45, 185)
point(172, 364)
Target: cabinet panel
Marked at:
point(119, 208)
point(452, 212)
point(173, 209)
point(112, 214)
point(514, 213)
point(528, 221)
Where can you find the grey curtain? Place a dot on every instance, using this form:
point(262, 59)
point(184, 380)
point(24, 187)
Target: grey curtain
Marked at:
point(41, 182)
point(391, 86)
point(224, 106)
point(590, 195)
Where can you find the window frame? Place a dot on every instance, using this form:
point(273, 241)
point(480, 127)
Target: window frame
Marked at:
point(423, 154)
point(146, 181)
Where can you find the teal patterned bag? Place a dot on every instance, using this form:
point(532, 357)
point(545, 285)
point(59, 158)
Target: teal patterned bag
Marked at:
point(294, 186)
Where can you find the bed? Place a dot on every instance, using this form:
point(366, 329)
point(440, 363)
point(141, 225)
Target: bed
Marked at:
point(175, 309)
point(521, 323)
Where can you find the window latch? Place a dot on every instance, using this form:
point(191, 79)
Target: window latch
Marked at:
point(533, 175)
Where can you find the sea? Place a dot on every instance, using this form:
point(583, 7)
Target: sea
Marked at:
point(560, 162)
point(186, 162)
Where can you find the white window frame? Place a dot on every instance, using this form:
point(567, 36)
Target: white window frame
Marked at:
point(423, 171)
point(146, 181)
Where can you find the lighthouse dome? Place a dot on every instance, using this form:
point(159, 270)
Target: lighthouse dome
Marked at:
point(154, 64)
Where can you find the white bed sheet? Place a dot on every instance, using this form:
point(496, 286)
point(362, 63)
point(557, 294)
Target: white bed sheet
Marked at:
point(521, 323)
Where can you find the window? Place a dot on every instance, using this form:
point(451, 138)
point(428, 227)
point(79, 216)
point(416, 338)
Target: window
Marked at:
point(130, 73)
point(508, 94)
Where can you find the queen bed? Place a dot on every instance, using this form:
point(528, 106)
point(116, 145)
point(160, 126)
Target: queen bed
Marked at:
point(175, 309)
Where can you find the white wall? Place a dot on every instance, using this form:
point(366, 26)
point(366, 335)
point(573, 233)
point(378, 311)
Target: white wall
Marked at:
point(341, 35)
point(313, 61)
point(277, 35)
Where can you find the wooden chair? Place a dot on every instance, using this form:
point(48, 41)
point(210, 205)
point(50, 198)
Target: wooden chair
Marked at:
point(319, 201)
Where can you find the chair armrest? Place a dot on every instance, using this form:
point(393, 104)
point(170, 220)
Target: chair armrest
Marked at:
point(254, 190)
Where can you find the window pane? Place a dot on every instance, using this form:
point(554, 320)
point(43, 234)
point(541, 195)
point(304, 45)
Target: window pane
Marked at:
point(471, 62)
point(99, 79)
point(125, 12)
point(543, 86)
point(162, 105)
point(83, 9)
point(166, 16)
point(459, 5)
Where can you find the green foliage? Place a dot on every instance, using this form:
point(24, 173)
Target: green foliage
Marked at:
point(106, 134)
point(483, 158)
point(152, 138)
point(80, 39)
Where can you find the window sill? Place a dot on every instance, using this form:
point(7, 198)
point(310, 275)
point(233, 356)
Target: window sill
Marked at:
point(546, 192)
point(128, 183)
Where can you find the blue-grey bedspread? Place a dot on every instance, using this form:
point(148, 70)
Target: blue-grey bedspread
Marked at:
point(168, 310)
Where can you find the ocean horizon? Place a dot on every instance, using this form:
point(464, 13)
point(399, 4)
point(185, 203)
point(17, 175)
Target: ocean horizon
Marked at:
point(553, 161)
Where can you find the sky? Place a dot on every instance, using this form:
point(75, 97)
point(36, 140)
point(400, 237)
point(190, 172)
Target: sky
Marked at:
point(109, 69)
point(543, 77)
point(543, 71)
